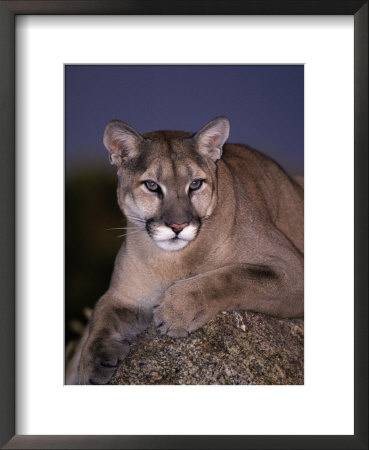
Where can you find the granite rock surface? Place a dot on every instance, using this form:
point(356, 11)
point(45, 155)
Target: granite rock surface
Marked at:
point(236, 347)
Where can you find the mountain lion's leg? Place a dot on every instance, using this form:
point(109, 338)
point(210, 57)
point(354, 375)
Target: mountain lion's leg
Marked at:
point(113, 325)
point(274, 287)
point(71, 372)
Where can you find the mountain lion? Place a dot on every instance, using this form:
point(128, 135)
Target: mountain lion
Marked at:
point(215, 227)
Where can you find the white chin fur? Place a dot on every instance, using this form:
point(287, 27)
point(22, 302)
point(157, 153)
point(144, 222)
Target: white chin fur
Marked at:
point(163, 237)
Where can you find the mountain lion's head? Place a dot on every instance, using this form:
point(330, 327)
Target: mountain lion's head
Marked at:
point(167, 179)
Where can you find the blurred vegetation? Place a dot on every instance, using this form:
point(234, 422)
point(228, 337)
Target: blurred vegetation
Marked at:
point(90, 247)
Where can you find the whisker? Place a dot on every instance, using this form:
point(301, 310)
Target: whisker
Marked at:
point(129, 234)
point(122, 228)
point(135, 218)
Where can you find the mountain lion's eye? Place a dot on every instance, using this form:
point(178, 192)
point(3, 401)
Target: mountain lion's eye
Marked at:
point(196, 184)
point(151, 185)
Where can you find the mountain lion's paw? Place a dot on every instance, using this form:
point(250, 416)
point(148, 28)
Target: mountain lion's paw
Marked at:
point(177, 314)
point(100, 359)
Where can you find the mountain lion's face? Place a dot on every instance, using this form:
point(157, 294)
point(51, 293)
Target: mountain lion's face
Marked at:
point(166, 180)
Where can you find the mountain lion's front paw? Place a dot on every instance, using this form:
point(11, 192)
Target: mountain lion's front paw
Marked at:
point(180, 311)
point(99, 360)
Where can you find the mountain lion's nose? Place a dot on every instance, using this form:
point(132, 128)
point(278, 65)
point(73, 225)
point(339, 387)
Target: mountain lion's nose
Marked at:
point(177, 228)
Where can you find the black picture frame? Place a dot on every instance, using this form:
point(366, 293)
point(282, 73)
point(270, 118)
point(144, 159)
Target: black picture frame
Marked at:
point(8, 11)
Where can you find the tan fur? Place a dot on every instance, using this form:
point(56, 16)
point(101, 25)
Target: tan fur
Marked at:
point(247, 252)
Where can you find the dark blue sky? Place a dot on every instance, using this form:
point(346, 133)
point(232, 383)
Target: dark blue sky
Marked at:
point(265, 105)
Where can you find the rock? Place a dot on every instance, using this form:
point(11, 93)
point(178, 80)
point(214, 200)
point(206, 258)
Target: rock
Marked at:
point(236, 347)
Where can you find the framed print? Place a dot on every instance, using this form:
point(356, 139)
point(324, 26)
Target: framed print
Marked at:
point(38, 41)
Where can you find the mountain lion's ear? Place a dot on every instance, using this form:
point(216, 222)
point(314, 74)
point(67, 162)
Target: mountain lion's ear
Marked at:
point(211, 137)
point(121, 140)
